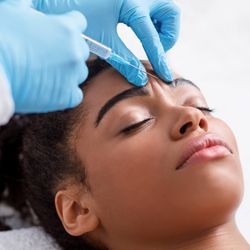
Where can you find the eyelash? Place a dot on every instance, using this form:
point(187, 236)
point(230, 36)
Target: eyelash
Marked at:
point(206, 110)
point(137, 125)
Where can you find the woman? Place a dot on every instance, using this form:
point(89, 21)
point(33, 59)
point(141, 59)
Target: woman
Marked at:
point(134, 168)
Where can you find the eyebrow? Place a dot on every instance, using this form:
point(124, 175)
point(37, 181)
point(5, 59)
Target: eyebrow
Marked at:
point(133, 92)
point(182, 81)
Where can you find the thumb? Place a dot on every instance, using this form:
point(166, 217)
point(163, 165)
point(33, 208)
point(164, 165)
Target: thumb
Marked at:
point(76, 98)
point(127, 64)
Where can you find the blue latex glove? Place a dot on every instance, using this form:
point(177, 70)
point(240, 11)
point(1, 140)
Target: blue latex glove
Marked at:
point(155, 22)
point(43, 57)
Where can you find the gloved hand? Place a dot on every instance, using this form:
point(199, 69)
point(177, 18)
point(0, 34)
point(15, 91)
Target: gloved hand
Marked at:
point(43, 57)
point(155, 22)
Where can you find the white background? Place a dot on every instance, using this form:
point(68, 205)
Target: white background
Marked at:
point(214, 52)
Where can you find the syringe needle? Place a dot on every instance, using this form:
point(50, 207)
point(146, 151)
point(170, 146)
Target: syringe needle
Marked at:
point(105, 52)
point(144, 71)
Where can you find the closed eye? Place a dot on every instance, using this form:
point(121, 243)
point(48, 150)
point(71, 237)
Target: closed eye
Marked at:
point(206, 109)
point(135, 126)
point(132, 128)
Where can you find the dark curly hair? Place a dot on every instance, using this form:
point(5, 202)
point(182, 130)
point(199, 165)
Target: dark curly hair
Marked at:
point(35, 157)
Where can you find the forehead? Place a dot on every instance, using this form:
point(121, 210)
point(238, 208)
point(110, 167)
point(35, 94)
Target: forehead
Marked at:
point(104, 86)
point(109, 83)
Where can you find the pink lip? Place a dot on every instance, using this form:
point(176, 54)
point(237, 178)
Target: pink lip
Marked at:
point(205, 147)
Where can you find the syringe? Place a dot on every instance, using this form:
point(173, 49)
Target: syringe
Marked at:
point(97, 48)
point(105, 53)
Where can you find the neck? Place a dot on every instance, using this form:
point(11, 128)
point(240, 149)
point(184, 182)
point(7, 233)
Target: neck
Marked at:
point(222, 237)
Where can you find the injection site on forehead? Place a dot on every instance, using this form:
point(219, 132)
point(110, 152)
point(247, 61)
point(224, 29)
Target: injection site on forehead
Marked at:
point(135, 92)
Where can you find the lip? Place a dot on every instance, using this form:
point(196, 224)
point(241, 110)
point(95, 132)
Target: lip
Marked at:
point(204, 147)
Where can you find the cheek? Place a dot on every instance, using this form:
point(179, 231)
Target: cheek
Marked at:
point(133, 180)
point(134, 166)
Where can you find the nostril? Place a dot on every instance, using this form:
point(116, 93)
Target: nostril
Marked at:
point(202, 123)
point(185, 127)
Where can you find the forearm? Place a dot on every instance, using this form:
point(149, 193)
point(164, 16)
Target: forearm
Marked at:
point(6, 100)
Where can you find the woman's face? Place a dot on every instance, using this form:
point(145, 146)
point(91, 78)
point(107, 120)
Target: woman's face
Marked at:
point(132, 148)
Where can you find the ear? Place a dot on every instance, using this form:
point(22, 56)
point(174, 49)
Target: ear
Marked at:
point(75, 211)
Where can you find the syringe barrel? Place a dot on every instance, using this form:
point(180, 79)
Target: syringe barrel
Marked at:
point(97, 48)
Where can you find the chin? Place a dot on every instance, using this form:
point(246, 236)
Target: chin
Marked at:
point(216, 198)
point(220, 186)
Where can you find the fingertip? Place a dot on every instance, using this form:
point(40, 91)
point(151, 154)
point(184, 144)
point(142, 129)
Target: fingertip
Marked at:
point(141, 78)
point(162, 69)
point(132, 69)
point(86, 51)
point(166, 76)
point(84, 73)
point(142, 81)
point(169, 78)
point(136, 73)
point(76, 98)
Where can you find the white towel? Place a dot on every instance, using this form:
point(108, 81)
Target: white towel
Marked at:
point(33, 238)
point(6, 100)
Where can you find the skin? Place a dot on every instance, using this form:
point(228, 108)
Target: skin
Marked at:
point(135, 199)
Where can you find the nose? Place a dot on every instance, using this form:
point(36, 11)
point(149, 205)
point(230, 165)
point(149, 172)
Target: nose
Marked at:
point(188, 120)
